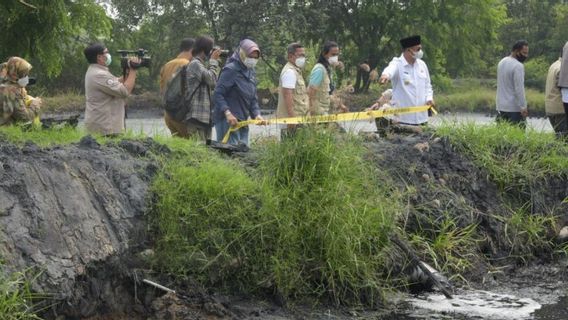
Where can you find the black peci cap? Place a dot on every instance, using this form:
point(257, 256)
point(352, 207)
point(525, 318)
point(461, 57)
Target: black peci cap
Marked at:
point(410, 42)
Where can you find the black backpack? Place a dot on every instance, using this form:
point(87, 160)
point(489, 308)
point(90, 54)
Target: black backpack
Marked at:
point(174, 98)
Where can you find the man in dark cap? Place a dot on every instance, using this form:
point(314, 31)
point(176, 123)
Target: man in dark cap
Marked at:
point(410, 81)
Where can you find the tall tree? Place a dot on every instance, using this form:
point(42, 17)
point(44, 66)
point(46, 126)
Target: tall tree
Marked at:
point(48, 30)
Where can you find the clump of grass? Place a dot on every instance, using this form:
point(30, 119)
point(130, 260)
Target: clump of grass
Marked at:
point(42, 137)
point(16, 297)
point(334, 213)
point(448, 245)
point(521, 164)
point(312, 222)
point(205, 216)
point(529, 234)
point(514, 158)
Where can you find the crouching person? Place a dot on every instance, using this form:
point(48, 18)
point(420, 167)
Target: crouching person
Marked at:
point(16, 105)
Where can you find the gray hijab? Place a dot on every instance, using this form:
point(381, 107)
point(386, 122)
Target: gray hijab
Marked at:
point(563, 77)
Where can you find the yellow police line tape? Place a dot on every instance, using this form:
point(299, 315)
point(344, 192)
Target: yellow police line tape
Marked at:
point(349, 116)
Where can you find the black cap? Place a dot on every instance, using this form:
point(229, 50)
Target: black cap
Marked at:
point(410, 42)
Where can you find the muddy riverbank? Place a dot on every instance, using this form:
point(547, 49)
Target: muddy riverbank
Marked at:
point(78, 213)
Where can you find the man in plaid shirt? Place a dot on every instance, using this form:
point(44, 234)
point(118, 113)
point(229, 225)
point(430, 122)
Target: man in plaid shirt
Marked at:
point(201, 79)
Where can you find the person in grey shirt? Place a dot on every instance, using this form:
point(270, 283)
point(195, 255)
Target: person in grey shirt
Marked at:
point(511, 100)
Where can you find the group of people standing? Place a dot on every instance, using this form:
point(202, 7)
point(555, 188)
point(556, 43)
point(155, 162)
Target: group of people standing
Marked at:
point(221, 97)
point(232, 97)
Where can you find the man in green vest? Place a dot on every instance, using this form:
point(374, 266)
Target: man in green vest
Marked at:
point(292, 92)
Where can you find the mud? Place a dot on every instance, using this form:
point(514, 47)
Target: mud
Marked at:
point(76, 213)
point(64, 210)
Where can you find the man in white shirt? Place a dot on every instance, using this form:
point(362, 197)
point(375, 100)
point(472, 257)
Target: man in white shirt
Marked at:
point(410, 81)
point(292, 91)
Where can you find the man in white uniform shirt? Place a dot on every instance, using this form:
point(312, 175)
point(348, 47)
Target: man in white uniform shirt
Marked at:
point(410, 81)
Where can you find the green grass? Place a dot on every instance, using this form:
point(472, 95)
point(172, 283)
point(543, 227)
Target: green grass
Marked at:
point(21, 134)
point(521, 164)
point(16, 297)
point(482, 99)
point(513, 157)
point(312, 221)
point(72, 101)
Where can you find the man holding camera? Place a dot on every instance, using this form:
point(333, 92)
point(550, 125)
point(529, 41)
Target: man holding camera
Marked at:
point(106, 94)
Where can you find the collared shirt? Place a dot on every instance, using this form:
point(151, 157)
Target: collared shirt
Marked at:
point(169, 69)
point(236, 91)
point(510, 85)
point(105, 101)
point(553, 97)
point(411, 86)
point(200, 81)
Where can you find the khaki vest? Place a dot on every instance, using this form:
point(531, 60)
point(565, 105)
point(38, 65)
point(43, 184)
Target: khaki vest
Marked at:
point(300, 94)
point(322, 99)
point(553, 97)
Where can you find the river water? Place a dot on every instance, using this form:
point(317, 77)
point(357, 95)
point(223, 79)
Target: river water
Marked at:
point(154, 124)
point(537, 304)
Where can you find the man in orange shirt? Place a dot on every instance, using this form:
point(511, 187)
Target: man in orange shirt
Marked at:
point(168, 70)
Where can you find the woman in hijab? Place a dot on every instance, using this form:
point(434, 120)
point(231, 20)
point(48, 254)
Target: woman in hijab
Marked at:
point(15, 104)
point(235, 96)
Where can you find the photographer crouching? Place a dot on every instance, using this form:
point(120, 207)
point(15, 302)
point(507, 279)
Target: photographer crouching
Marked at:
point(106, 94)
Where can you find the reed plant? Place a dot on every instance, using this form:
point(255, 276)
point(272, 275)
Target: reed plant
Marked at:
point(17, 300)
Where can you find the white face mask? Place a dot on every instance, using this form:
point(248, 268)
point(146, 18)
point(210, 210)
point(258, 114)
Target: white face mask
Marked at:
point(333, 60)
point(108, 59)
point(250, 62)
point(418, 54)
point(23, 81)
point(301, 62)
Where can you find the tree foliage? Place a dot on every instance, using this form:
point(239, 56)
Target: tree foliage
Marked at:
point(462, 38)
point(48, 30)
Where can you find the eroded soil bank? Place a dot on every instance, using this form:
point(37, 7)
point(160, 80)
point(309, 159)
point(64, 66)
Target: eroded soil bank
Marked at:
point(77, 214)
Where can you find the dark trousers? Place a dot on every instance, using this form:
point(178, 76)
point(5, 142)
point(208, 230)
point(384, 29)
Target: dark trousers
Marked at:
point(559, 122)
point(514, 118)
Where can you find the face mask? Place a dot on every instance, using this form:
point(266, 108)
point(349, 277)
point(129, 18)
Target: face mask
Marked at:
point(333, 60)
point(418, 54)
point(250, 62)
point(301, 62)
point(521, 58)
point(108, 59)
point(23, 81)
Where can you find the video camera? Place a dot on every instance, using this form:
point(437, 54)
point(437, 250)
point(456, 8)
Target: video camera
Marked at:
point(224, 52)
point(125, 55)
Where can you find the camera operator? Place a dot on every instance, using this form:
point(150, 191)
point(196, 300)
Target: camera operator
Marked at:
point(106, 94)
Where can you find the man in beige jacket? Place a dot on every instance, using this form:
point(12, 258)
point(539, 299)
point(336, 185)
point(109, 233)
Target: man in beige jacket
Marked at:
point(553, 101)
point(105, 94)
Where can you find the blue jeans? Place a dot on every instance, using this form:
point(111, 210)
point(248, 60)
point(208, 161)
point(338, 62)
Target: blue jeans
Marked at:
point(236, 137)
